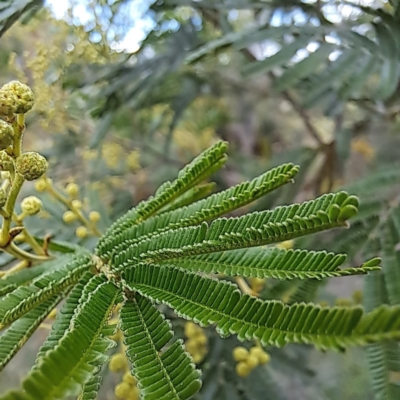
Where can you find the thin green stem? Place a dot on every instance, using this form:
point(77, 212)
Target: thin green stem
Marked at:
point(9, 208)
point(19, 127)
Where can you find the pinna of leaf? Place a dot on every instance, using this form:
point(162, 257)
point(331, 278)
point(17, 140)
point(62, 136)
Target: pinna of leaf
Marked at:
point(162, 254)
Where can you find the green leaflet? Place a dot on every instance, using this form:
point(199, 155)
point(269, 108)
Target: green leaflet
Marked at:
point(208, 209)
point(163, 368)
point(250, 230)
point(63, 319)
point(28, 274)
point(21, 330)
point(75, 359)
point(193, 195)
point(24, 298)
point(207, 301)
point(271, 262)
point(199, 169)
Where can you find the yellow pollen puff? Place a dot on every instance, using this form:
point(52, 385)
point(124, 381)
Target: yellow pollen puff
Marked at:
point(72, 189)
point(118, 362)
point(243, 369)
point(198, 357)
point(191, 329)
point(200, 339)
point(41, 185)
point(129, 378)
point(134, 393)
point(286, 245)
point(81, 232)
point(122, 390)
point(262, 356)
point(94, 216)
point(252, 361)
point(240, 353)
point(76, 204)
point(69, 216)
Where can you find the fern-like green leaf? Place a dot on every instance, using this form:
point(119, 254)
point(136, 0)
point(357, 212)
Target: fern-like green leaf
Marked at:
point(20, 331)
point(199, 169)
point(26, 275)
point(64, 316)
point(271, 262)
point(191, 196)
point(251, 230)
point(24, 298)
point(76, 358)
point(207, 301)
point(205, 210)
point(163, 368)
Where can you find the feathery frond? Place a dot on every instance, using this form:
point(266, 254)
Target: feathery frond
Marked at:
point(254, 229)
point(21, 330)
point(208, 209)
point(162, 366)
point(271, 262)
point(207, 301)
point(70, 364)
point(199, 169)
point(24, 298)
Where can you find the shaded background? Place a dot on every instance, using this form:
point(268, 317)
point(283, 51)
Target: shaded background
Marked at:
point(127, 92)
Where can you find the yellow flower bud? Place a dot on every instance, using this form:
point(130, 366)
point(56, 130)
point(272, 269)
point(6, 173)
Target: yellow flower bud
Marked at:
point(24, 97)
point(6, 162)
point(240, 353)
point(122, 390)
point(31, 165)
point(190, 329)
point(191, 346)
point(69, 216)
point(41, 185)
point(118, 362)
point(134, 394)
point(201, 339)
point(6, 134)
point(53, 313)
point(3, 197)
point(343, 302)
point(252, 361)
point(81, 232)
point(129, 378)
point(94, 216)
point(72, 189)
point(76, 204)
point(198, 357)
point(287, 244)
point(31, 205)
point(243, 369)
point(262, 356)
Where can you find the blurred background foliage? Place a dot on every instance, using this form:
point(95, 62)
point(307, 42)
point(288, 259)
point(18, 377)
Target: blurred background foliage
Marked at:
point(127, 92)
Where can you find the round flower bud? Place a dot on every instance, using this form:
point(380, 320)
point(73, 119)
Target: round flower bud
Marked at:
point(94, 216)
point(41, 185)
point(81, 232)
point(118, 362)
point(76, 204)
point(190, 329)
point(24, 96)
point(134, 394)
point(243, 369)
point(8, 102)
point(240, 353)
point(6, 134)
point(3, 197)
point(68, 217)
point(262, 356)
point(129, 378)
point(31, 205)
point(72, 189)
point(122, 390)
point(31, 165)
point(252, 361)
point(6, 162)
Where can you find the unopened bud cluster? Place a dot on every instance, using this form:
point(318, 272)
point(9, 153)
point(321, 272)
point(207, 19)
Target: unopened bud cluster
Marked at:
point(197, 341)
point(248, 360)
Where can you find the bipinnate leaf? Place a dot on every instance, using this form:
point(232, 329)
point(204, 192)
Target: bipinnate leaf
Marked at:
point(208, 301)
point(160, 363)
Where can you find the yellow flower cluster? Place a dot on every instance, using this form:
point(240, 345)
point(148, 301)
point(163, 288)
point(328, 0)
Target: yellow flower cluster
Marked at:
point(127, 389)
point(197, 341)
point(248, 360)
